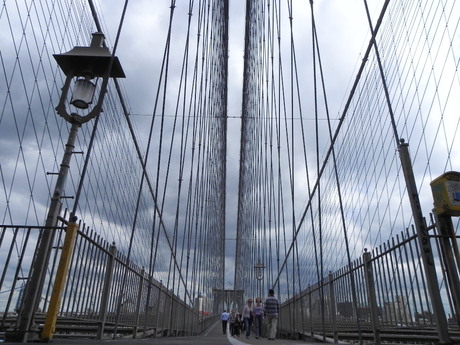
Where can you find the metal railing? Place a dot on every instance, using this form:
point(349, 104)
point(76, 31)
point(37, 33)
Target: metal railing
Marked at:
point(378, 297)
point(92, 301)
point(392, 300)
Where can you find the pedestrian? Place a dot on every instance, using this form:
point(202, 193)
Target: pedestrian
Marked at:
point(238, 325)
point(258, 316)
point(224, 318)
point(272, 308)
point(248, 316)
point(232, 320)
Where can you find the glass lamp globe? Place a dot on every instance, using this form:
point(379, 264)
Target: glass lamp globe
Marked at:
point(83, 93)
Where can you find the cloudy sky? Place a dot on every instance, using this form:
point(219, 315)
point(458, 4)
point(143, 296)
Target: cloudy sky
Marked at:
point(343, 35)
point(142, 40)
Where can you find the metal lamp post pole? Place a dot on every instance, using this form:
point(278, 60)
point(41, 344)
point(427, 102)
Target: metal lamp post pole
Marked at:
point(86, 63)
point(259, 267)
point(37, 274)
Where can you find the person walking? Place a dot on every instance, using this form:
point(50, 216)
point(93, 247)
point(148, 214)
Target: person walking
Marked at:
point(272, 308)
point(232, 320)
point(224, 318)
point(248, 315)
point(258, 316)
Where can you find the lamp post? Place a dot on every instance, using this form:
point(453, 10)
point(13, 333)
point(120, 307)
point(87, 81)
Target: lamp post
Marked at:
point(259, 267)
point(87, 64)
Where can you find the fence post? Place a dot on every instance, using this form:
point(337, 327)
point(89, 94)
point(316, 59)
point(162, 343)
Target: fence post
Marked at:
point(106, 290)
point(310, 312)
point(333, 308)
point(371, 295)
point(425, 245)
point(446, 229)
point(186, 319)
point(172, 309)
point(138, 303)
point(147, 303)
point(158, 308)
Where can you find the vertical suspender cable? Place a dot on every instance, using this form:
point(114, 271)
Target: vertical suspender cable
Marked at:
point(339, 189)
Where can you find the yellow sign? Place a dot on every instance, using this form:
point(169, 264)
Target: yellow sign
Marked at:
point(446, 194)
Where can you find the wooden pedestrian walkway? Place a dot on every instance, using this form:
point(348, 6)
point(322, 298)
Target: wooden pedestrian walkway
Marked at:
point(213, 336)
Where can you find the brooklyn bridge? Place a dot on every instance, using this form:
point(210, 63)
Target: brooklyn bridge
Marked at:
point(162, 162)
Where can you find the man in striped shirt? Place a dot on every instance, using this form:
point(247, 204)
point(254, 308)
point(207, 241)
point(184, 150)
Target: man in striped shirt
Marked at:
point(272, 308)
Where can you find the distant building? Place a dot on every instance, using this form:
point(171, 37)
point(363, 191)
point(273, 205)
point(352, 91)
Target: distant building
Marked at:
point(398, 311)
point(345, 309)
point(203, 305)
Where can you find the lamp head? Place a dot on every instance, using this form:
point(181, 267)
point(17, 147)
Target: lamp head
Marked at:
point(90, 62)
point(86, 63)
point(259, 267)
